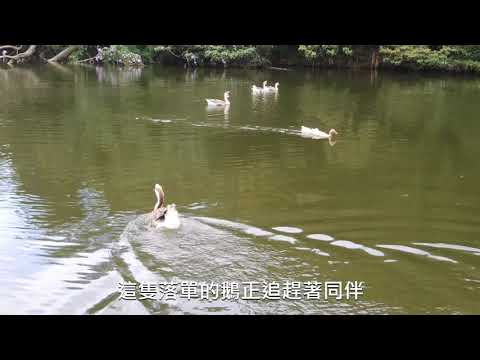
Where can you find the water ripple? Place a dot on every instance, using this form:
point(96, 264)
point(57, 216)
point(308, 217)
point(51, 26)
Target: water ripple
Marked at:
point(287, 229)
point(351, 245)
point(415, 251)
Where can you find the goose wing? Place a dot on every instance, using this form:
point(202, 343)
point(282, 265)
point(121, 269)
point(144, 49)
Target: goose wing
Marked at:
point(215, 101)
point(159, 214)
point(308, 130)
point(313, 131)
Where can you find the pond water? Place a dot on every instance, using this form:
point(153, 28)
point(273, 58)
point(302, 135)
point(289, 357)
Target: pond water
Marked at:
point(393, 202)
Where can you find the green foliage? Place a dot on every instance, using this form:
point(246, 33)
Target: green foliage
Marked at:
point(347, 51)
point(310, 52)
point(239, 55)
point(468, 52)
point(121, 55)
point(414, 56)
point(79, 54)
point(147, 52)
point(460, 58)
point(424, 57)
point(313, 53)
point(232, 54)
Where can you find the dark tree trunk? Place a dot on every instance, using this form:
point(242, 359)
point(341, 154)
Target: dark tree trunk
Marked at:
point(366, 56)
point(64, 54)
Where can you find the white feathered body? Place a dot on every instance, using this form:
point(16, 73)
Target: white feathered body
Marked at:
point(271, 88)
point(172, 219)
point(215, 102)
point(314, 132)
point(256, 89)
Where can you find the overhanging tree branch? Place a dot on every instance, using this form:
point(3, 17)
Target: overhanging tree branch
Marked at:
point(27, 53)
point(2, 47)
point(64, 54)
point(86, 60)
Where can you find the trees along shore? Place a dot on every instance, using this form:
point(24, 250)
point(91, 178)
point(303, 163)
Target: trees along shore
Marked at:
point(445, 58)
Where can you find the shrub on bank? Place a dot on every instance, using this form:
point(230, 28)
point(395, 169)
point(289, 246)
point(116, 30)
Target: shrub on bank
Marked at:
point(453, 58)
point(424, 57)
point(217, 55)
point(119, 54)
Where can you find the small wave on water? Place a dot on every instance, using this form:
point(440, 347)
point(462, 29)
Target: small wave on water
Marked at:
point(469, 249)
point(415, 251)
point(197, 207)
point(247, 229)
point(315, 251)
point(288, 229)
point(288, 239)
point(82, 263)
point(287, 131)
point(200, 206)
point(354, 246)
point(202, 250)
point(165, 121)
point(320, 237)
point(162, 120)
point(66, 269)
point(211, 250)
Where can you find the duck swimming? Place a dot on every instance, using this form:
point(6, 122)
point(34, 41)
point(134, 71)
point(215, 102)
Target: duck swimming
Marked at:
point(318, 134)
point(270, 88)
point(164, 216)
point(258, 89)
point(216, 102)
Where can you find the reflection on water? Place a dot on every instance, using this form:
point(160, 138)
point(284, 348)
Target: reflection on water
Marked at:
point(218, 111)
point(115, 76)
point(393, 204)
point(15, 77)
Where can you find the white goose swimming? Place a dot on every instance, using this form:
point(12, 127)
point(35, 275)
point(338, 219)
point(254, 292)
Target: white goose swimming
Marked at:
point(216, 102)
point(258, 89)
point(164, 216)
point(270, 88)
point(172, 220)
point(318, 134)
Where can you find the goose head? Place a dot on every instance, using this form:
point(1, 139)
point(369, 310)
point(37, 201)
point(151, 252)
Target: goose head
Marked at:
point(276, 85)
point(265, 83)
point(158, 189)
point(226, 96)
point(332, 132)
point(159, 194)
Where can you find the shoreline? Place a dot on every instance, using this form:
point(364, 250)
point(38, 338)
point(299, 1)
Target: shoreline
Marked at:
point(383, 68)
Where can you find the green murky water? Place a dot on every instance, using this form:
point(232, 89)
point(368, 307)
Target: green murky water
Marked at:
point(393, 203)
